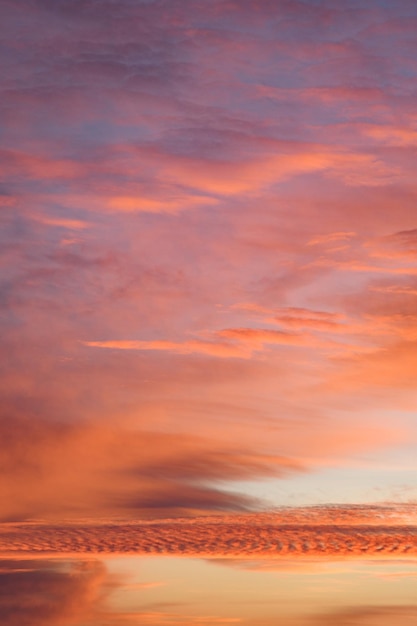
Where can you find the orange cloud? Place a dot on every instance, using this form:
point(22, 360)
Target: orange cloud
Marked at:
point(226, 343)
point(392, 135)
point(71, 224)
point(157, 175)
point(370, 616)
point(216, 349)
point(256, 536)
point(262, 336)
point(129, 204)
point(123, 472)
point(331, 238)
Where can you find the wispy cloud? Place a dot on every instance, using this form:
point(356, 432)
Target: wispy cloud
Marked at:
point(207, 238)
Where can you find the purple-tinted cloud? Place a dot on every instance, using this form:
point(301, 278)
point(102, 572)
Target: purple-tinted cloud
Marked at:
point(220, 196)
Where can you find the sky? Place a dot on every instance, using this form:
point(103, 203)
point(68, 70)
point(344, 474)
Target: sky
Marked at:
point(208, 256)
point(208, 281)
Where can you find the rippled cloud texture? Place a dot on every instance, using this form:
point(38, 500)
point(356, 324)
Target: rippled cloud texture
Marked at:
point(323, 533)
point(208, 255)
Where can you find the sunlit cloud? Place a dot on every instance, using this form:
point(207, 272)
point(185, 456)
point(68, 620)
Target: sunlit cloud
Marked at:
point(279, 536)
point(208, 243)
point(370, 616)
point(207, 253)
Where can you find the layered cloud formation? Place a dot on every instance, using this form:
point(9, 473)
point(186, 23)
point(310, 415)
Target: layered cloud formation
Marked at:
point(326, 533)
point(207, 255)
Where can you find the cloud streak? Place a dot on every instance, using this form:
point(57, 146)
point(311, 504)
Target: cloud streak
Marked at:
point(336, 533)
point(214, 540)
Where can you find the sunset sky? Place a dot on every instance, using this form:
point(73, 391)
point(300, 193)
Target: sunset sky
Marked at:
point(208, 252)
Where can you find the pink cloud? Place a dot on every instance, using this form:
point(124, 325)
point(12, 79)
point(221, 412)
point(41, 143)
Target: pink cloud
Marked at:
point(158, 175)
point(226, 343)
